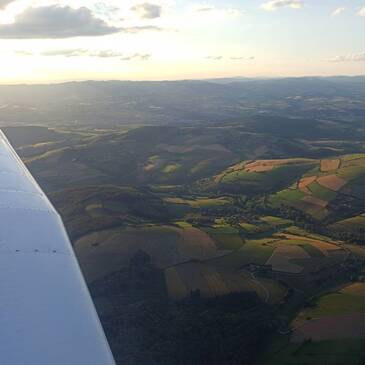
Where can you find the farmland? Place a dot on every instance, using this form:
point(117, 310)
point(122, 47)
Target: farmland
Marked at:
point(171, 219)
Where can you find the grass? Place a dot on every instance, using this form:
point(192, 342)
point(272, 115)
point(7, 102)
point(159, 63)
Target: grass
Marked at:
point(201, 202)
point(288, 195)
point(302, 232)
point(350, 172)
point(354, 223)
point(276, 221)
point(354, 156)
point(226, 237)
point(183, 224)
point(321, 192)
point(252, 252)
point(249, 228)
point(336, 304)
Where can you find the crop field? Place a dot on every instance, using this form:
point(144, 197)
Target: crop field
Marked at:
point(276, 221)
point(320, 192)
point(252, 252)
point(332, 182)
point(353, 225)
point(337, 315)
point(184, 279)
point(263, 175)
point(340, 352)
point(281, 259)
point(305, 182)
point(324, 246)
point(249, 228)
point(106, 251)
point(358, 251)
point(226, 237)
point(330, 165)
point(201, 202)
point(321, 185)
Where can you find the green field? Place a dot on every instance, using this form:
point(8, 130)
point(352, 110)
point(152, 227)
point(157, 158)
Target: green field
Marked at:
point(252, 252)
point(226, 237)
point(345, 352)
point(321, 192)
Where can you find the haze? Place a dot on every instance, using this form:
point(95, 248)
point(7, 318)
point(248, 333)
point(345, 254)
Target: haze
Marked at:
point(47, 41)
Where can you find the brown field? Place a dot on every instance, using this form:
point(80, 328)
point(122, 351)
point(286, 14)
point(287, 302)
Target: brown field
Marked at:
point(304, 182)
point(263, 165)
point(315, 201)
point(356, 250)
point(183, 279)
point(324, 247)
point(197, 244)
point(332, 182)
point(280, 260)
point(330, 165)
point(106, 251)
point(354, 289)
point(331, 328)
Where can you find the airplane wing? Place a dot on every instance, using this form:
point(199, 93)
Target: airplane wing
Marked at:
point(46, 314)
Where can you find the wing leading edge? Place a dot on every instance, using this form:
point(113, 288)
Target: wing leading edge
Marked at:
point(46, 314)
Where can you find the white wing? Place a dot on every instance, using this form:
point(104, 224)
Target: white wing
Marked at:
point(46, 313)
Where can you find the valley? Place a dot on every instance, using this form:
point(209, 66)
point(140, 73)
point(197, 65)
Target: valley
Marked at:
point(169, 223)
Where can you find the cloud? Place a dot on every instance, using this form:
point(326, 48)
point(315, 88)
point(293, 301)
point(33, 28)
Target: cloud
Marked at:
point(362, 12)
point(242, 58)
point(276, 4)
point(5, 3)
point(211, 9)
point(338, 11)
point(352, 57)
point(148, 10)
point(214, 58)
point(81, 52)
point(55, 22)
point(144, 28)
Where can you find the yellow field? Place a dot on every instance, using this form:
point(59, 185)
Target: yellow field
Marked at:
point(330, 165)
point(324, 247)
point(304, 182)
point(354, 289)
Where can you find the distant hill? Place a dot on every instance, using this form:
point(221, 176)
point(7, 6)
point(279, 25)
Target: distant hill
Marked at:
point(113, 103)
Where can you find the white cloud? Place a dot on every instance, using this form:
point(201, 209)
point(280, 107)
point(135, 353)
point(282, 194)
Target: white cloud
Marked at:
point(240, 58)
point(338, 11)
point(81, 52)
point(352, 57)
point(148, 10)
point(214, 58)
point(276, 4)
point(213, 10)
point(362, 12)
point(5, 3)
point(55, 22)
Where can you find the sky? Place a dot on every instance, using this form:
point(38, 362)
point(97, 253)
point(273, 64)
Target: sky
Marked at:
point(62, 40)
